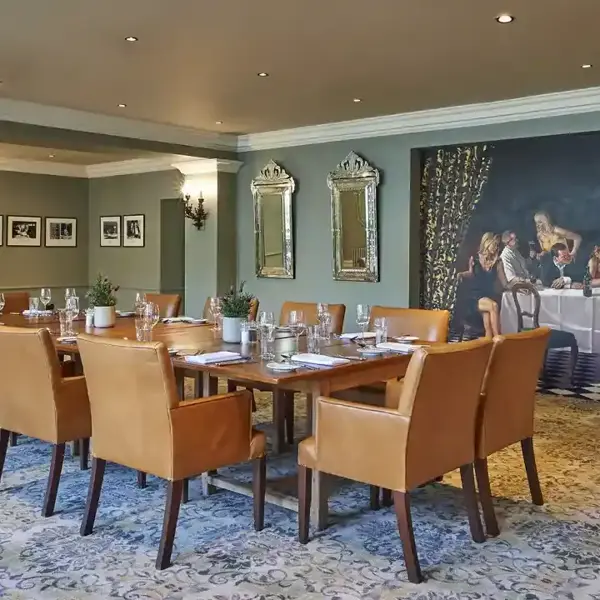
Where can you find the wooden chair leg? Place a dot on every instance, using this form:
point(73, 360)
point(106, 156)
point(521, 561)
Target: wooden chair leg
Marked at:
point(289, 417)
point(186, 491)
point(574, 359)
point(532, 473)
point(174, 494)
point(386, 497)
point(4, 437)
point(468, 484)
point(411, 560)
point(485, 496)
point(231, 386)
point(374, 497)
point(141, 479)
point(13, 438)
point(304, 501)
point(259, 487)
point(84, 451)
point(58, 455)
point(91, 505)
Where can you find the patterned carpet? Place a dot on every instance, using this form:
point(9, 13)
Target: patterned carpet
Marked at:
point(542, 553)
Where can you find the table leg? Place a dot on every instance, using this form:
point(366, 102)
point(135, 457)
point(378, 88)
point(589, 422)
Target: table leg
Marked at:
point(180, 381)
point(279, 420)
point(319, 508)
point(210, 387)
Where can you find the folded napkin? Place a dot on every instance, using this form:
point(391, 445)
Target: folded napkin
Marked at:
point(38, 313)
point(398, 347)
point(213, 357)
point(353, 336)
point(319, 359)
point(67, 339)
point(182, 320)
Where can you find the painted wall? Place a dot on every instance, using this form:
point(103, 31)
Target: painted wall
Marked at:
point(394, 156)
point(30, 268)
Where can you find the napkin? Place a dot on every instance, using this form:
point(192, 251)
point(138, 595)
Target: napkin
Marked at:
point(353, 336)
point(319, 359)
point(213, 357)
point(397, 347)
point(182, 320)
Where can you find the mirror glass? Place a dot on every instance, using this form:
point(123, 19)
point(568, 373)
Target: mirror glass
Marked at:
point(273, 242)
point(353, 229)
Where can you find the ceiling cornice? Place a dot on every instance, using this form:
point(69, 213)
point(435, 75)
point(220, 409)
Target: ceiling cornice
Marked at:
point(41, 167)
point(202, 166)
point(132, 167)
point(470, 115)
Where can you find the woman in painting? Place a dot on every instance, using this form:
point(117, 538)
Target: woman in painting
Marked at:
point(594, 267)
point(486, 281)
point(549, 234)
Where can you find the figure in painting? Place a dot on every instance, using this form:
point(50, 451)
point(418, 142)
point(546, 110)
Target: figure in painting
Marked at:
point(517, 268)
point(556, 268)
point(549, 235)
point(594, 267)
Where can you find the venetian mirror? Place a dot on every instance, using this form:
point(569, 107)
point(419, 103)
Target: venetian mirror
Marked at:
point(353, 186)
point(273, 231)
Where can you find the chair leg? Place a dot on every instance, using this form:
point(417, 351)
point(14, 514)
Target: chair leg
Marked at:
point(485, 496)
point(231, 386)
point(91, 505)
point(259, 486)
point(58, 455)
point(141, 479)
point(468, 484)
point(574, 359)
point(531, 469)
point(386, 497)
point(4, 437)
point(84, 451)
point(13, 438)
point(186, 491)
point(304, 501)
point(411, 560)
point(289, 417)
point(174, 493)
point(374, 497)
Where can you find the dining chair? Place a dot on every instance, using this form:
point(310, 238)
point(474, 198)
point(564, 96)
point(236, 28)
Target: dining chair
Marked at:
point(431, 432)
point(506, 414)
point(15, 302)
point(139, 422)
point(38, 402)
point(426, 325)
point(169, 305)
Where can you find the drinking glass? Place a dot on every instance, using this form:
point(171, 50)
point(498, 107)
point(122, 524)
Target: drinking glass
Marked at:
point(322, 307)
point(381, 330)
point(45, 296)
point(324, 319)
point(363, 314)
point(152, 314)
point(63, 320)
point(266, 318)
point(2, 302)
point(140, 303)
point(72, 308)
point(267, 339)
point(143, 329)
point(215, 311)
point(69, 293)
point(296, 323)
point(34, 307)
point(312, 339)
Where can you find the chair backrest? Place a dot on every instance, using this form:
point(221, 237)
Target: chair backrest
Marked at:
point(206, 314)
point(131, 387)
point(440, 396)
point(15, 302)
point(427, 325)
point(526, 288)
point(168, 304)
point(337, 312)
point(508, 399)
point(30, 375)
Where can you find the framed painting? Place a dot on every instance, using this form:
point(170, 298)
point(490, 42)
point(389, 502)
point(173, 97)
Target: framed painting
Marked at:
point(110, 231)
point(23, 231)
point(134, 233)
point(61, 232)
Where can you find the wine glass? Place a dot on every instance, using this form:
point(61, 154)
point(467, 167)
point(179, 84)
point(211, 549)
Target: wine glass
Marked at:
point(296, 323)
point(152, 313)
point(266, 317)
point(363, 315)
point(2, 302)
point(70, 293)
point(140, 303)
point(45, 297)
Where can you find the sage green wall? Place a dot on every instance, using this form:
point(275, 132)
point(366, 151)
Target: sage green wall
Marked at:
point(133, 269)
point(30, 268)
point(398, 219)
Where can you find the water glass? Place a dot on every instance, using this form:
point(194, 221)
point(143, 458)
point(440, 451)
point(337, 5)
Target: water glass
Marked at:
point(2, 302)
point(363, 315)
point(143, 329)
point(325, 325)
point(152, 313)
point(70, 293)
point(34, 307)
point(72, 308)
point(63, 320)
point(267, 340)
point(89, 318)
point(381, 330)
point(296, 323)
point(313, 337)
point(216, 313)
point(45, 296)
point(245, 328)
point(140, 303)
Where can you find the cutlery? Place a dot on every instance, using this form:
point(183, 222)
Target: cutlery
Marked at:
point(237, 361)
point(359, 358)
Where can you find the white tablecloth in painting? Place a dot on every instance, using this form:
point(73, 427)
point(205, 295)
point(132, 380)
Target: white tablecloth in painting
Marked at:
point(568, 310)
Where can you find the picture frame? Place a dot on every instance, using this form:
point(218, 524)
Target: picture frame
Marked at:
point(23, 231)
point(61, 232)
point(134, 231)
point(1, 230)
point(110, 231)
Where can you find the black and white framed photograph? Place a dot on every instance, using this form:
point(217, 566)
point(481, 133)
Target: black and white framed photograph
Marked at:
point(61, 232)
point(110, 231)
point(134, 234)
point(23, 231)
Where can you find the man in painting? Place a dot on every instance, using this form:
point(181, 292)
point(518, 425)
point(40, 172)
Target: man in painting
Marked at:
point(557, 268)
point(517, 268)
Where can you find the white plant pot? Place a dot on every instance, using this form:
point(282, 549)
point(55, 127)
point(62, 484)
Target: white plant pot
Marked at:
point(104, 316)
point(232, 329)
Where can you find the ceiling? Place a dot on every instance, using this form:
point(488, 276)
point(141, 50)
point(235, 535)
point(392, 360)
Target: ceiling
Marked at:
point(196, 61)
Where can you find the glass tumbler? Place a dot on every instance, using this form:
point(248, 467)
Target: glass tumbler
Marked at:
point(34, 307)
point(313, 337)
point(64, 322)
point(267, 340)
point(143, 328)
point(381, 330)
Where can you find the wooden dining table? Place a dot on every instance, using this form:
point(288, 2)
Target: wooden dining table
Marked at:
point(252, 373)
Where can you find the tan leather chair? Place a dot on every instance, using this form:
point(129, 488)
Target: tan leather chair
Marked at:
point(168, 304)
point(427, 325)
point(507, 410)
point(139, 422)
point(431, 433)
point(337, 312)
point(15, 302)
point(36, 401)
point(206, 314)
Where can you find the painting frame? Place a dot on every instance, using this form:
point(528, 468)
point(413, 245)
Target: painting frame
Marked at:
point(134, 231)
point(64, 239)
point(30, 228)
point(1, 230)
point(109, 238)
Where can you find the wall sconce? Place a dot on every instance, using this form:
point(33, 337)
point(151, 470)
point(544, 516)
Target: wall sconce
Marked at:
point(194, 206)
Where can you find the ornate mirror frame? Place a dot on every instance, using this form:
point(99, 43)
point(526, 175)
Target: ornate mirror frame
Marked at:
point(355, 174)
point(274, 180)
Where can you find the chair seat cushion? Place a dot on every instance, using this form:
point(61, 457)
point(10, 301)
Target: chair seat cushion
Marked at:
point(307, 453)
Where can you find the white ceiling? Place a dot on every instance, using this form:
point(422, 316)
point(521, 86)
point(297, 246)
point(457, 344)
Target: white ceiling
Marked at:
point(196, 60)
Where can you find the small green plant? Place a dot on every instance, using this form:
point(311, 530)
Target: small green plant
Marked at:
point(236, 303)
point(102, 292)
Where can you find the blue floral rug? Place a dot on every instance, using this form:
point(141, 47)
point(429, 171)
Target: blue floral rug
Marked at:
point(542, 553)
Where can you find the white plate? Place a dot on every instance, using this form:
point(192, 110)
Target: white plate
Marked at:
point(125, 313)
point(283, 367)
point(371, 351)
point(404, 338)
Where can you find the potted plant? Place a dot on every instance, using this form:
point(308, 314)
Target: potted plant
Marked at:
point(235, 307)
point(101, 297)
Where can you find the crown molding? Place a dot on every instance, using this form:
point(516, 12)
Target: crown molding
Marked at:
point(455, 117)
point(133, 166)
point(202, 166)
point(31, 113)
point(41, 167)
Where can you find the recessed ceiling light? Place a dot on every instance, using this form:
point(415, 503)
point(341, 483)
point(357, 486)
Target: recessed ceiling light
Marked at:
point(586, 66)
point(121, 105)
point(218, 122)
point(356, 100)
point(263, 74)
point(50, 155)
point(505, 19)
point(131, 38)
